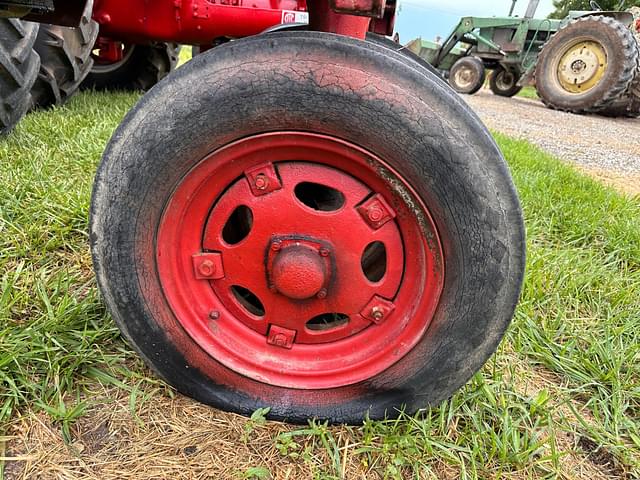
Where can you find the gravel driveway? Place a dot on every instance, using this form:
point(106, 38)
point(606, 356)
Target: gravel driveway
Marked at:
point(608, 148)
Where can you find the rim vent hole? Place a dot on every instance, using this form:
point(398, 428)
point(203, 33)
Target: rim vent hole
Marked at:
point(248, 300)
point(319, 197)
point(238, 225)
point(327, 321)
point(374, 261)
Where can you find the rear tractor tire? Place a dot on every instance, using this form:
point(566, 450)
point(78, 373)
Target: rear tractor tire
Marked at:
point(628, 104)
point(140, 68)
point(587, 65)
point(19, 65)
point(65, 56)
point(504, 83)
point(288, 249)
point(467, 75)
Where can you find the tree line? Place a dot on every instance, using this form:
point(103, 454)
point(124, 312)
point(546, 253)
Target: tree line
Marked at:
point(562, 7)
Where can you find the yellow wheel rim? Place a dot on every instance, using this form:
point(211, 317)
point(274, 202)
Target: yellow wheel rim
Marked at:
point(582, 66)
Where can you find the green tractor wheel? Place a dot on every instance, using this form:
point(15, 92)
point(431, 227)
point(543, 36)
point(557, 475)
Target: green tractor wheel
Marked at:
point(504, 83)
point(467, 75)
point(587, 65)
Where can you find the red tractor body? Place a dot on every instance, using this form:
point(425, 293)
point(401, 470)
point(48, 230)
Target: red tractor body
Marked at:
point(193, 22)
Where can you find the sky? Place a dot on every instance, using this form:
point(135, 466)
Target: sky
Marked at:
point(428, 18)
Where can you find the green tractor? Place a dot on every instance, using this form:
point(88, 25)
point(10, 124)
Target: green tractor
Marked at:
point(587, 62)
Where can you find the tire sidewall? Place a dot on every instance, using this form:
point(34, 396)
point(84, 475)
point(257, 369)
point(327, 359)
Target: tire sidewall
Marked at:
point(214, 100)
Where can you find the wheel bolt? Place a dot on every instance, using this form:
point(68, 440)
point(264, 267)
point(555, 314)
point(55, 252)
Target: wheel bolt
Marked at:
point(261, 182)
point(275, 246)
point(214, 315)
point(375, 214)
point(324, 252)
point(206, 268)
point(322, 293)
point(377, 313)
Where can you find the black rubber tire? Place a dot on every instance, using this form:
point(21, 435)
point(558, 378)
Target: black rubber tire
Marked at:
point(65, 59)
point(19, 65)
point(628, 107)
point(622, 54)
point(397, 47)
point(474, 68)
point(406, 117)
point(628, 104)
point(145, 66)
point(503, 83)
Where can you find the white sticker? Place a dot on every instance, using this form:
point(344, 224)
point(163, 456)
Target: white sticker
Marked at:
point(289, 16)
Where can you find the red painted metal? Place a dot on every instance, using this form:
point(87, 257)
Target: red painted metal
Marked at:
point(278, 344)
point(298, 268)
point(107, 51)
point(323, 19)
point(208, 266)
point(376, 211)
point(378, 309)
point(367, 8)
point(385, 24)
point(200, 22)
point(263, 179)
point(192, 21)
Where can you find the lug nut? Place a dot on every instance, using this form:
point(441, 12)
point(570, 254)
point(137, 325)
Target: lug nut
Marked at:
point(375, 214)
point(214, 315)
point(275, 246)
point(261, 182)
point(322, 293)
point(206, 268)
point(377, 313)
point(324, 252)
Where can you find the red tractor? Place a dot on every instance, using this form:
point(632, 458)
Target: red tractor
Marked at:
point(307, 219)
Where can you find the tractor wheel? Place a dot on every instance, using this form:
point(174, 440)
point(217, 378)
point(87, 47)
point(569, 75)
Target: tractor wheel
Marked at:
point(340, 238)
point(65, 59)
point(628, 105)
point(140, 68)
point(467, 75)
point(504, 83)
point(586, 65)
point(19, 65)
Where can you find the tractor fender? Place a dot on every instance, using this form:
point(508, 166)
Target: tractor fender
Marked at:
point(65, 12)
point(624, 18)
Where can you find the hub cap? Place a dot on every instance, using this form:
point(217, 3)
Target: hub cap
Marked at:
point(582, 66)
point(465, 77)
point(299, 260)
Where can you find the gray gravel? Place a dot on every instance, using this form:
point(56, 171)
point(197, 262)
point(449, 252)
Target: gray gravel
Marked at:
point(590, 141)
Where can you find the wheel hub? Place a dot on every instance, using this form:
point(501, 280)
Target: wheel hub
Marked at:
point(298, 270)
point(465, 77)
point(582, 66)
point(505, 80)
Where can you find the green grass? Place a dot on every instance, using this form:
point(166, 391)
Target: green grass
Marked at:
point(570, 364)
point(528, 92)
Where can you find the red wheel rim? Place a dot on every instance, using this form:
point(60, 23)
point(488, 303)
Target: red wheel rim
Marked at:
point(267, 255)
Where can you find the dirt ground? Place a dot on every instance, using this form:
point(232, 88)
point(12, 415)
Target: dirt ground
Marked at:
point(606, 148)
